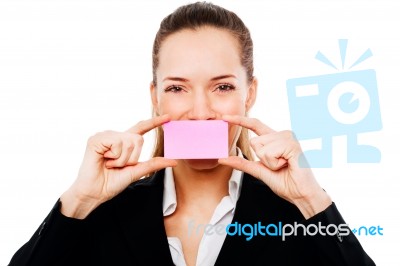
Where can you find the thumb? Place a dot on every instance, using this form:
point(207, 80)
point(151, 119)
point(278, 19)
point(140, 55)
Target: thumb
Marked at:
point(154, 164)
point(251, 167)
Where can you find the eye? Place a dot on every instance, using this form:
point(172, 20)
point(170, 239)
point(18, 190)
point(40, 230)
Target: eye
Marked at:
point(173, 89)
point(225, 88)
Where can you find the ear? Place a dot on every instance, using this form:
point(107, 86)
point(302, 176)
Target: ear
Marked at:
point(154, 99)
point(251, 95)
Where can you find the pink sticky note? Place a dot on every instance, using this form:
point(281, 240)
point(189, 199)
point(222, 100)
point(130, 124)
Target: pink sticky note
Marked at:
point(196, 139)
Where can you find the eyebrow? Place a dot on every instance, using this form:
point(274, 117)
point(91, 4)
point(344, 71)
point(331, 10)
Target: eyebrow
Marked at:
point(213, 79)
point(175, 79)
point(224, 77)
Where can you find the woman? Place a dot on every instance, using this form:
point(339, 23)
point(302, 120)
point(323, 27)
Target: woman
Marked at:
point(202, 70)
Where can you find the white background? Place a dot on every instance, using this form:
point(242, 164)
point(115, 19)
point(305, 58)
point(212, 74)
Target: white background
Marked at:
point(69, 69)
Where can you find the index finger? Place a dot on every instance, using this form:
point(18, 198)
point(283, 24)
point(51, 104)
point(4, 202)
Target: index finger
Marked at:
point(253, 124)
point(146, 125)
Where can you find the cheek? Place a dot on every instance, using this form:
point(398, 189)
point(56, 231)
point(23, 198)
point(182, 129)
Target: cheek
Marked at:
point(233, 106)
point(174, 107)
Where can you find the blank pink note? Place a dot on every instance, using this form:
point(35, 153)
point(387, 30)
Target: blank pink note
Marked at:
point(196, 139)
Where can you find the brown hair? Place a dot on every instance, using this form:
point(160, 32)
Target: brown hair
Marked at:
point(194, 16)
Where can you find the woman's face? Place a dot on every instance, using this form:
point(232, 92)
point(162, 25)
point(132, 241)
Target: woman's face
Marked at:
point(200, 77)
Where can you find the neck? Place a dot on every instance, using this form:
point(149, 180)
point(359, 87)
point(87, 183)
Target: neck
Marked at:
point(201, 186)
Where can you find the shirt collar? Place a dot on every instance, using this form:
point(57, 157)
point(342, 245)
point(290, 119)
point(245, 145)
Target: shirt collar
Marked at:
point(169, 197)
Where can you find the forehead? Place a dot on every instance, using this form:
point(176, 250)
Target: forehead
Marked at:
point(206, 49)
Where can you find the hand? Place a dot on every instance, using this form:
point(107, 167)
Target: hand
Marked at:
point(110, 164)
point(278, 167)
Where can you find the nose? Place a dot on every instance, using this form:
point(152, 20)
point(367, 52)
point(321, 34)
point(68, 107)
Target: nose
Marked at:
point(201, 108)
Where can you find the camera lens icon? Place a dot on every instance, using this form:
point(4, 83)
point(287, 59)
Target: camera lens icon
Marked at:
point(348, 102)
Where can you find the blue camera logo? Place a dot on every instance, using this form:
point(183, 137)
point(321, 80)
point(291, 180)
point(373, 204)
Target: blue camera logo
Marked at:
point(325, 106)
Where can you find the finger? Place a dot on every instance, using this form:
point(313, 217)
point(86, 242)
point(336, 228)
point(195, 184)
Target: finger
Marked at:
point(122, 159)
point(259, 141)
point(286, 137)
point(135, 155)
point(130, 151)
point(271, 157)
point(251, 167)
point(152, 165)
point(263, 140)
point(253, 124)
point(276, 150)
point(146, 125)
point(114, 148)
point(105, 144)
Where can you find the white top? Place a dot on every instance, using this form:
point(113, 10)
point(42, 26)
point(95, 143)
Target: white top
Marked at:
point(211, 242)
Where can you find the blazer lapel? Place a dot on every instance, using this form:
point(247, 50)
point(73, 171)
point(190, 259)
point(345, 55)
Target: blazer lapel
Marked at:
point(257, 203)
point(141, 218)
point(236, 249)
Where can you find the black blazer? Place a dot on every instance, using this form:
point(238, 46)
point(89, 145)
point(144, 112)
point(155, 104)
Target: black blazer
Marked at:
point(129, 230)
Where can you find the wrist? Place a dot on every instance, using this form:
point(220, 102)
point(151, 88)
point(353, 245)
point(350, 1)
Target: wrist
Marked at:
point(75, 206)
point(314, 204)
